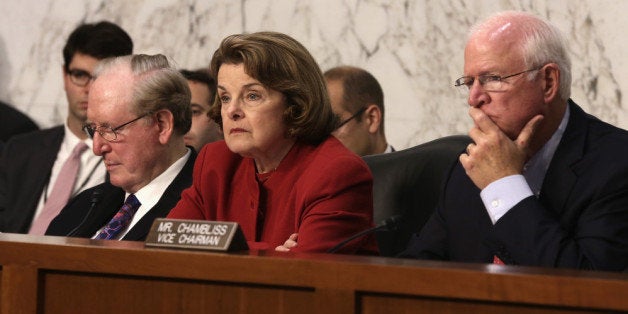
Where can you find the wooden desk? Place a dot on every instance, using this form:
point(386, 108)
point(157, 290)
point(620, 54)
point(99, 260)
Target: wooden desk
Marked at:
point(63, 275)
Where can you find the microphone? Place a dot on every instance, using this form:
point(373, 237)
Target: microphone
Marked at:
point(96, 197)
point(391, 223)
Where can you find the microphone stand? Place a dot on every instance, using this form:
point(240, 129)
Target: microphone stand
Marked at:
point(96, 196)
point(388, 224)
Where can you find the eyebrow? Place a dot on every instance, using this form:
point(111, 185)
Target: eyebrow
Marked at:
point(254, 84)
point(249, 85)
point(79, 69)
point(104, 124)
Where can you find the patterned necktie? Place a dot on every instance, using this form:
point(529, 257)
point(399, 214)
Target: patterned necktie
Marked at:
point(121, 220)
point(61, 191)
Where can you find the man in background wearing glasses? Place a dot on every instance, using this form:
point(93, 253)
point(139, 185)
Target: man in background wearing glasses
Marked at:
point(543, 183)
point(357, 98)
point(203, 88)
point(41, 171)
point(139, 112)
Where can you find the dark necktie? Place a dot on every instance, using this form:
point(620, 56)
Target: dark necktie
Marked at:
point(121, 220)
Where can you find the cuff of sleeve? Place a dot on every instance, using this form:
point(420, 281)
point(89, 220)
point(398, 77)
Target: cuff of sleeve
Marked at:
point(502, 195)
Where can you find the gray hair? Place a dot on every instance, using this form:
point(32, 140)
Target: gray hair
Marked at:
point(542, 43)
point(157, 86)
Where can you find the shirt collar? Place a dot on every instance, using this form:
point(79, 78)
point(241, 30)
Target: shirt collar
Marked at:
point(146, 195)
point(70, 140)
point(389, 149)
point(534, 170)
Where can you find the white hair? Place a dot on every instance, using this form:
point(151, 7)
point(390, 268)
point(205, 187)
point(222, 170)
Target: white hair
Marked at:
point(541, 43)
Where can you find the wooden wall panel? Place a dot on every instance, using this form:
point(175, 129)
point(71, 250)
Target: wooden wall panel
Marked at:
point(375, 304)
point(71, 292)
point(66, 275)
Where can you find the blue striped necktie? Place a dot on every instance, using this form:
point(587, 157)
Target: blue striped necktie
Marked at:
point(121, 220)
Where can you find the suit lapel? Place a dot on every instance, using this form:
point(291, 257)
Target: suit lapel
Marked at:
point(166, 202)
point(112, 200)
point(562, 173)
point(160, 210)
point(37, 174)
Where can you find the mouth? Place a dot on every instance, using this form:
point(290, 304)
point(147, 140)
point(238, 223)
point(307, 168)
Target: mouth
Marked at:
point(110, 165)
point(237, 130)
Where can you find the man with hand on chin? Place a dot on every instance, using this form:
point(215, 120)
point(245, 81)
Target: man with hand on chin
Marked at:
point(543, 183)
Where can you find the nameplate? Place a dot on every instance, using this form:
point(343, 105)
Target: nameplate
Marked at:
point(196, 234)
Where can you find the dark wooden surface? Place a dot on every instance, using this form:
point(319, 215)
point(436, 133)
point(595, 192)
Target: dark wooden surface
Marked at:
point(65, 275)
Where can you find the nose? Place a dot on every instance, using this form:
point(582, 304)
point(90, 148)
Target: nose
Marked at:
point(233, 110)
point(477, 95)
point(101, 146)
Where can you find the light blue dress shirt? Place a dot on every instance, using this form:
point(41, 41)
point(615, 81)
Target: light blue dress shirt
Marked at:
point(503, 194)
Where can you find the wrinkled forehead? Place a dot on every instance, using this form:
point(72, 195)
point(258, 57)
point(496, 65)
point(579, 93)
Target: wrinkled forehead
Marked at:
point(500, 40)
point(110, 93)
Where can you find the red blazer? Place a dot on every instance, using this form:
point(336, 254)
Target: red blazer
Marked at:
point(324, 193)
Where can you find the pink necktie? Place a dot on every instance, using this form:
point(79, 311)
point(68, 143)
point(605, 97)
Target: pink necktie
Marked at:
point(61, 191)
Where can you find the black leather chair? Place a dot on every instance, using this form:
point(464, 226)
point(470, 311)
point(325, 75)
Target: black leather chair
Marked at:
point(408, 183)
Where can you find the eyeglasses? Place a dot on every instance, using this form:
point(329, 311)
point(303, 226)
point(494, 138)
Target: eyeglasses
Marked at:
point(355, 115)
point(108, 133)
point(80, 77)
point(490, 83)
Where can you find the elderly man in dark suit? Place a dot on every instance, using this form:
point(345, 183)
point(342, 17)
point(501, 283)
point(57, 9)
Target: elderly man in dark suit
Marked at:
point(543, 183)
point(139, 112)
point(34, 184)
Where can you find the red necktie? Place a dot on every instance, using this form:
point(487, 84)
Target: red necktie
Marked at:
point(61, 191)
point(497, 261)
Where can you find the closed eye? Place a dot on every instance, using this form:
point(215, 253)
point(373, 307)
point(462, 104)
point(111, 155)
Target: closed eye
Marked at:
point(490, 78)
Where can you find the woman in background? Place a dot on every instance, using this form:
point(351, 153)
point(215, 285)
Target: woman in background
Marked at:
point(279, 173)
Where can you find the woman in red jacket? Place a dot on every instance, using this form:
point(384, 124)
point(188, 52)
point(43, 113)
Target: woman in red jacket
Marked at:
point(278, 173)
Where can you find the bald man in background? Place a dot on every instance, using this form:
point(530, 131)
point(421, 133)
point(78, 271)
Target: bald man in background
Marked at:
point(357, 98)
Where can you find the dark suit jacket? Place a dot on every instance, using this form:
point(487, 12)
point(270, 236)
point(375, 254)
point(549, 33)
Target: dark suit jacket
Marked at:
point(13, 121)
point(25, 167)
point(72, 217)
point(580, 219)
